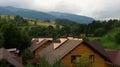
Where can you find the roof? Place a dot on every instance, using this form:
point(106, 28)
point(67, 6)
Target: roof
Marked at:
point(32, 61)
point(114, 55)
point(12, 59)
point(53, 55)
point(12, 49)
point(57, 54)
point(33, 47)
point(97, 47)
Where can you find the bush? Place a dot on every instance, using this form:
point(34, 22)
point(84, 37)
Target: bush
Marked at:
point(26, 55)
point(4, 63)
point(29, 65)
point(84, 61)
point(43, 63)
point(1, 40)
point(117, 38)
point(57, 64)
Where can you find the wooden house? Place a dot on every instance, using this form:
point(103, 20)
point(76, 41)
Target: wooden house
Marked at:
point(13, 60)
point(114, 55)
point(73, 49)
point(40, 45)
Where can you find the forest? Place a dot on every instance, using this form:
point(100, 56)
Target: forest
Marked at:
point(17, 32)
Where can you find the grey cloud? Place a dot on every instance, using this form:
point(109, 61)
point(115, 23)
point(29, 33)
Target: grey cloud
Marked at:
point(68, 8)
point(98, 9)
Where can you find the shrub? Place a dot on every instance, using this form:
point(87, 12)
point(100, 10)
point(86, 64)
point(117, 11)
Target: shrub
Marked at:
point(4, 63)
point(29, 65)
point(1, 40)
point(27, 54)
point(84, 61)
point(57, 64)
point(117, 38)
point(43, 63)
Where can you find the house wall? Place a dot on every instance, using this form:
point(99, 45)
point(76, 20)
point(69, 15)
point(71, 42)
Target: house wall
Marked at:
point(83, 49)
point(37, 56)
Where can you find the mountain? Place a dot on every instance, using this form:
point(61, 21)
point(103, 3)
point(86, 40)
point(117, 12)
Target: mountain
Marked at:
point(72, 17)
point(26, 13)
point(43, 15)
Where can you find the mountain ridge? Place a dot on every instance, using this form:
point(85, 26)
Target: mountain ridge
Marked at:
point(72, 17)
point(52, 16)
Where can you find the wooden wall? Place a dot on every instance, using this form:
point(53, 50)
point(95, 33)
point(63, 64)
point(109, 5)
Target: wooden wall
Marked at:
point(37, 56)
point(83, 49)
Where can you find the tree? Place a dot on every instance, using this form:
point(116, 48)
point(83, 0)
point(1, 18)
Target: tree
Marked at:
point(4, 63)
point(25, 40)
point(20, 21)
point(26, 55)
point(50, 30)
point(29, 65)
point(57, 64)
point(15, 38)
point(117, 38)
point(99, 32)
point(1, 40)
point(84, 61)
point(43, 63)
point(12, 36)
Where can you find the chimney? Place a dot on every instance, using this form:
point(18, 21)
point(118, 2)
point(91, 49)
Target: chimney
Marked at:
point(70, 37)
point(47, 38)
point(76, 37)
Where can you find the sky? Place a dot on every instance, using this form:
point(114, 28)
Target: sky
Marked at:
point(98, 9)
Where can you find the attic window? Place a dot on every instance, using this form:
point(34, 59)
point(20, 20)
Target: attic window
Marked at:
point(75, 59)
point(91, 57)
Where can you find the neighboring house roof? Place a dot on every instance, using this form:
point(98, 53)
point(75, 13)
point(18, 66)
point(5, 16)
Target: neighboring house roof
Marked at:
point(114, 56)
point(32, 61)
point(33, 47)
point(52, 55)
point(12, 59)
point(12, 49)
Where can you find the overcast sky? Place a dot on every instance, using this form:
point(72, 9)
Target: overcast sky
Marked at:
point(98, 9)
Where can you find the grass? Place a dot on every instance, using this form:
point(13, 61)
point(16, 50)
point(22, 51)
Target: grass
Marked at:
point(108, 40)
point(40, 23)
point(31, 23)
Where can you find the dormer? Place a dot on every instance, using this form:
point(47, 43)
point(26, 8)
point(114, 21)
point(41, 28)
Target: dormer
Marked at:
point(56, 43)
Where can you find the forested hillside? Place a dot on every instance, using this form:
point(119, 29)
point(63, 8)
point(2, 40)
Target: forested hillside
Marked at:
point(12, 28)
point(43, 15)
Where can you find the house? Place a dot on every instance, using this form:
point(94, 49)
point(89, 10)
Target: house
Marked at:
point(13, 60)
point(73, 48)
point(114, 55)
point(13, 51)
point(39, 44)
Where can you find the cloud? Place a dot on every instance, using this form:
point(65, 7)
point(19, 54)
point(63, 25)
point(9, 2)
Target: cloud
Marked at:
point(98, 9)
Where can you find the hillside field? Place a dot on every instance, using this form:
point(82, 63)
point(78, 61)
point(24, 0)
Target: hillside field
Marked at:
point(108, 40)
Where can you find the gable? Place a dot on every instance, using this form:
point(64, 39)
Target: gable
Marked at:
point(80, 50)
point(69, 46)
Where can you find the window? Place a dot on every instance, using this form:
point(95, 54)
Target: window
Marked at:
point(91, 57)
point(75, 59)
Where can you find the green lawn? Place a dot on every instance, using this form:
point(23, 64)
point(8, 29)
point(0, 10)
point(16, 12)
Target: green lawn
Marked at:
point(108, 40)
